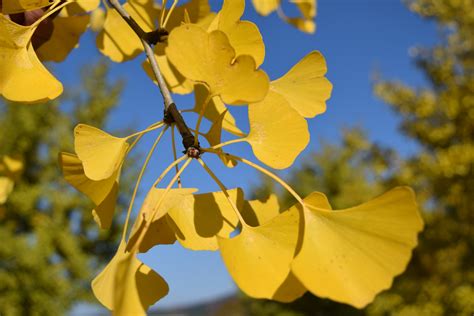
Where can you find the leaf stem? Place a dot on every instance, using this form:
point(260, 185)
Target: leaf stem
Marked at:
point(175, 156)
point(201, 115)
point(171, 166)
point(140, 176)
point(148, 129)
point(262, 170)
point(229, 142)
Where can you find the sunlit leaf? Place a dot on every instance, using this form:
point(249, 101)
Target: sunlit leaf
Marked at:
point(259, 258)
point(197, 11)
point(159, 231)
point(278, 133)
point(202, 217)
point(265, 7)
point(127, 286)
point(103, 193)
point(244, 36)
point(18, 6)
point(23, 77)
point(97, 20)
point(64, 39)
point(209, 58)
point(351, 255)
point(117, 40)
point(307, 9)
point(101, 154)
point(214, 109)
point(304, 86)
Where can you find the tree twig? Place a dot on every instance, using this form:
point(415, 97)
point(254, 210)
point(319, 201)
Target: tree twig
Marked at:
point(172, 114)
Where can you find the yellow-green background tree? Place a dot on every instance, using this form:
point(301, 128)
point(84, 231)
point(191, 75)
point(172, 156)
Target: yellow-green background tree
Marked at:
point(50, 246)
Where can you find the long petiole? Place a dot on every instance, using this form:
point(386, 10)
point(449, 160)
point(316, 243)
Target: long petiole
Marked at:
point(171, 166)
point(264, 171)
point(229, 142)
point(201, 115)
point(173, 6)
point(163, 10)
point(175, 156)
point(148, 221)
point(140, 176)
point(147, 130)
point(136, 140)
point(224, 190)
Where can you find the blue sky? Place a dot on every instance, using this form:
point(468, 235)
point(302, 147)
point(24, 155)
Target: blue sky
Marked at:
point(357, 39)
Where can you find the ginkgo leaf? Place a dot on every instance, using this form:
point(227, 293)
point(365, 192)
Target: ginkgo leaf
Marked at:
point(6, 188)
point(214, 109)
point(24, 78)
point(117, 40)
point(278, 134)
point(202, 217)
point(244, 36)
point(18, 6)
point(213, 137)
point(209, 58)
point(103, 193)
point(265, 7)
point(259, 258)
point(65, 37)
point(101, 153)
point(127, 286)
point(351, 255)
point(307, 9)
point(304, 86)
point(302, 24)
point(11, 166)
point(159, 231)
point(256, 212)
point(81, 6)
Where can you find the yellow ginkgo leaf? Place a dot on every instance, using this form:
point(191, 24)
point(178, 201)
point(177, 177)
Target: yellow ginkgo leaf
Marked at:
point(302, 24)
point(117, 40)
point(127, 286)
point(101, 154)
point(278, 134)
point(81, 6)
point(157, 207)
point(244, 36)
point(256, 212)
point(209, 58)
point(265, 7)
point(24, 78)
point(11, 166)
point(201, 218)
point(6, 188)
point(103, 193)
point(18, 6)
point(213, 137)
point(65, 37)
point(259, 258)
point(214, 109)
point(351, 255)
point(304, 86)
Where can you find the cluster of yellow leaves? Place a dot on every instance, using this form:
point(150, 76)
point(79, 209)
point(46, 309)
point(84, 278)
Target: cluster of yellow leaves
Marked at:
point(24, 78)
point(347, 255)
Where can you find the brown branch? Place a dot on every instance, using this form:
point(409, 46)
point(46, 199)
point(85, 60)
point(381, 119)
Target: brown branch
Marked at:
point(172, 115)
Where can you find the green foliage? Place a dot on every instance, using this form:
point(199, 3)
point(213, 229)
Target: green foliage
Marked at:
point(440, 277)
point(50, 244)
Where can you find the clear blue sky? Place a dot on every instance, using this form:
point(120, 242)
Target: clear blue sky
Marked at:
point(356, 37)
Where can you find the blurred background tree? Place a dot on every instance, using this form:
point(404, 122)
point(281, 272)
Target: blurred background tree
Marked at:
point(439, 117)
point(50, 245)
